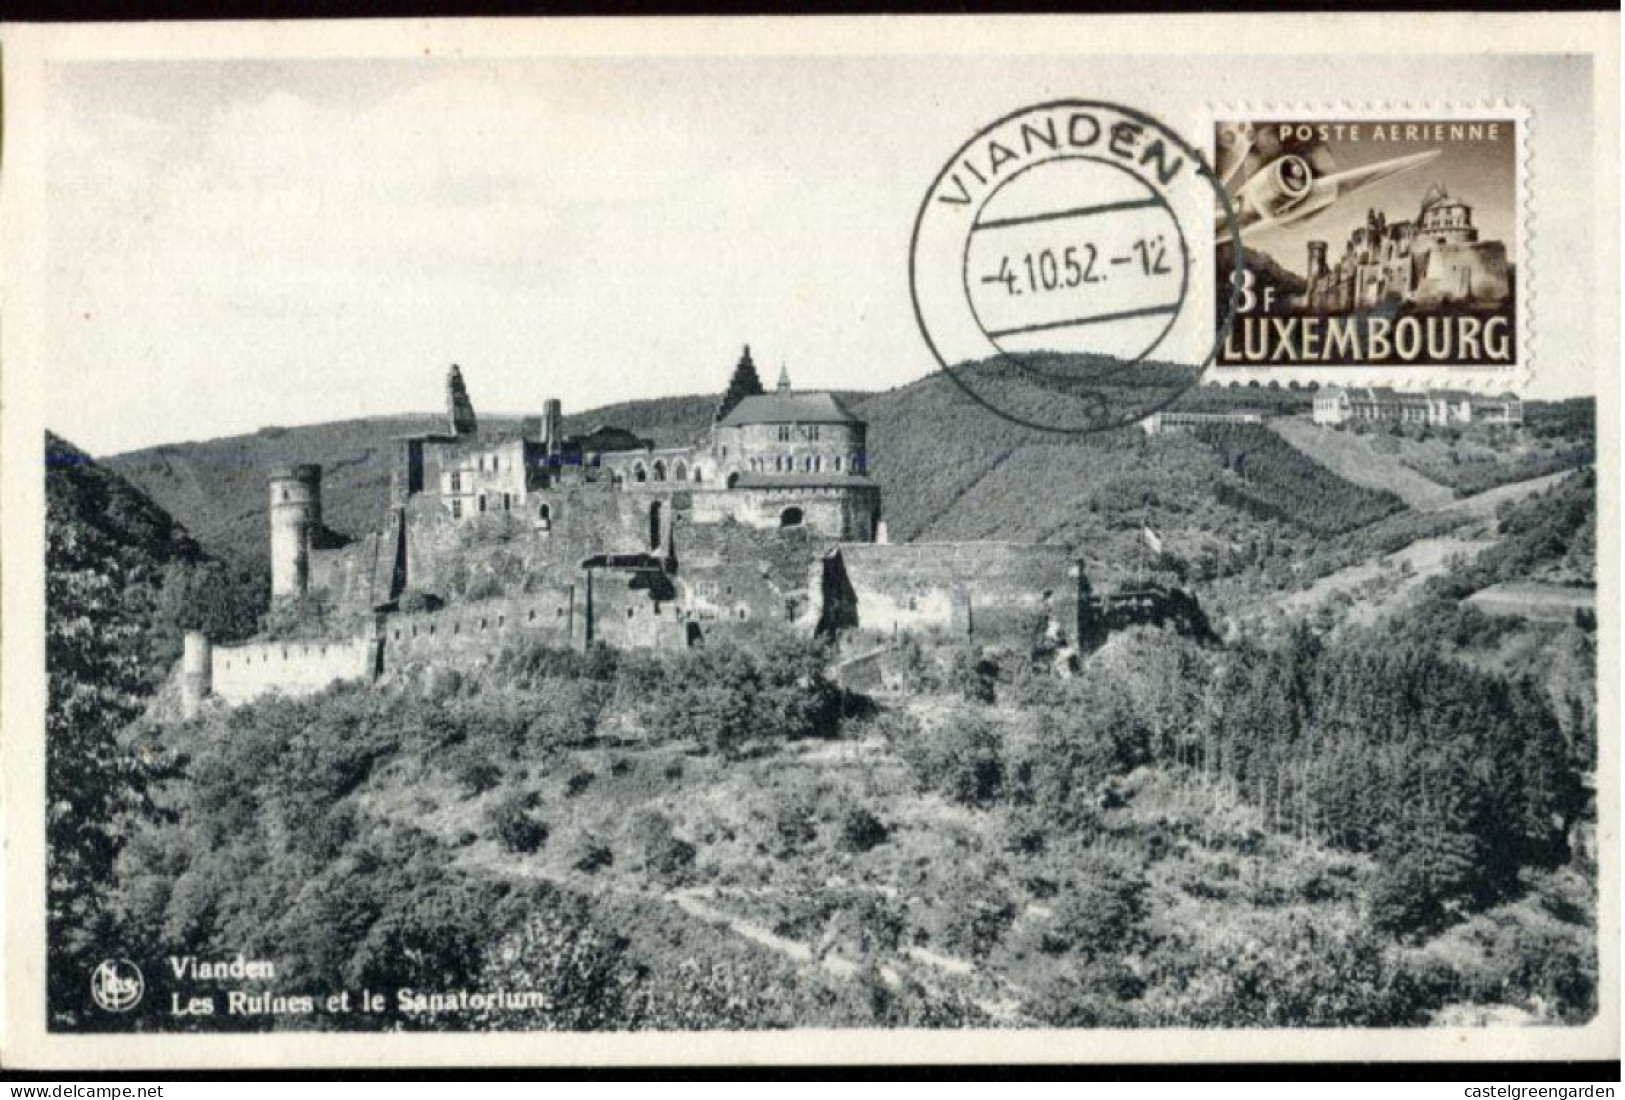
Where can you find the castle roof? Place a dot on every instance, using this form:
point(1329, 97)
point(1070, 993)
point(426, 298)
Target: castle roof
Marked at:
point(789, 408)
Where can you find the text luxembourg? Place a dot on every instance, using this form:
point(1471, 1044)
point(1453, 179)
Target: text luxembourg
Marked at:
point(1406, 339)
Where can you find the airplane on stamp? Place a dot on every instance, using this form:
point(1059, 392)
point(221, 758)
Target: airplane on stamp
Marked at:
point(1276, 181)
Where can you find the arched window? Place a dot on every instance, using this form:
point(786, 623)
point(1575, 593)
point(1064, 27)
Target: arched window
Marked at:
point(733, 479)
point(654, 526)
point(639, 475)
point(544, 517)
point(679, 471)
point(659, 471)
point(837, 463)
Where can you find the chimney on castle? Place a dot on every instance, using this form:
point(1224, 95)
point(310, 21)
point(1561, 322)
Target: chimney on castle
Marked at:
point(552, 425)
point(459, 409)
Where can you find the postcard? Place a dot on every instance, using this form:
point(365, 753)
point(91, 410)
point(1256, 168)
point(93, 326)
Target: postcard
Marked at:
point(810, 541)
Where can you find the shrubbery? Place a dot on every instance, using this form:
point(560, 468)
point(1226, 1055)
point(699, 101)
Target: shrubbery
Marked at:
point(862, 830)
point(963, 761)
point(517, 828)
point(664, 856)
point(723, 696)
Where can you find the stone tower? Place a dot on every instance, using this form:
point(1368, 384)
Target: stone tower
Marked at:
point(459, 409)
point(552, 425)
point(296, 517)
point(1317, 259)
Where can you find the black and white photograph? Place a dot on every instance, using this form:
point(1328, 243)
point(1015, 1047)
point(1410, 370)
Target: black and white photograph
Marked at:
point(600, 530)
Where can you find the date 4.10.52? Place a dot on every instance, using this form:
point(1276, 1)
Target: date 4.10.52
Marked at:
point(1076, 265)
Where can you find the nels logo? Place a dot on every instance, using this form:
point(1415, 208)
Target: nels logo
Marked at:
point(116, 985)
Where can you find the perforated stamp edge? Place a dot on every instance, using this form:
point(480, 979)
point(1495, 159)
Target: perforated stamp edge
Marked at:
point(1516, 376)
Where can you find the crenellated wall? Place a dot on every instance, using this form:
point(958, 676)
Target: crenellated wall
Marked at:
point(466, 632)
point(239, 673)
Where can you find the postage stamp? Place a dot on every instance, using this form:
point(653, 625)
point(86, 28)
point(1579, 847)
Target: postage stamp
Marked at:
point(590, 542)
point(1375, 239)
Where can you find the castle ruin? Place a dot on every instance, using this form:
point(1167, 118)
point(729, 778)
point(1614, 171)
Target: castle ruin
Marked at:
point(1434, 259)
point(768, 522)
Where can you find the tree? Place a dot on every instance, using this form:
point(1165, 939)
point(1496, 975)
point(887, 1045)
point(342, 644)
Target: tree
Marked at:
point(104, 550)
point(1099, 912)
point(963, 761)
point(862, 830)
point(744, 383)
point(224, 603)
point(516, 828)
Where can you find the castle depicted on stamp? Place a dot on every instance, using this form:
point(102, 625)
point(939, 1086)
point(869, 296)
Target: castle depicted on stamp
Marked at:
point(1388, 241)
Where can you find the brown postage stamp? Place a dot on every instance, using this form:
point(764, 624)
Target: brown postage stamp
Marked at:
point(1380, 239)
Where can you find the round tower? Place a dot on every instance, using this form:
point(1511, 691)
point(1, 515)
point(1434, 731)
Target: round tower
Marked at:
point(296, 516)
point(197, 672)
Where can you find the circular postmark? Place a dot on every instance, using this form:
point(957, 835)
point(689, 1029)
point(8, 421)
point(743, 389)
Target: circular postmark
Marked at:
point(1052, 263)
point(116, 985)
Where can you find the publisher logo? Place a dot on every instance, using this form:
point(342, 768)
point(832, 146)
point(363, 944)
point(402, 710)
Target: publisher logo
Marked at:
point(116, 985)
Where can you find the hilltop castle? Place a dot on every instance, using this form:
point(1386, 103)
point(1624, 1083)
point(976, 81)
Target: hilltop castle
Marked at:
point(1434, 259)
point(770, 461)
point(768, 522)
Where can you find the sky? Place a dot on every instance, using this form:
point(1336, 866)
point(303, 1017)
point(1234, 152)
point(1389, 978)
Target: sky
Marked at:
point(1481, 173)
point(232, 244)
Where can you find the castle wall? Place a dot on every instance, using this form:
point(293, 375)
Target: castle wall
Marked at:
point(1455, 271)
point(240, 673)
point(758, 448)
point(736, 575)
point(579, 522)
point(836, 512)
point(823, 510)
point(629, 617)
point(348, 574)
point(470, 633)
point(983, 589)
point(497, 473)
point(658, 468)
